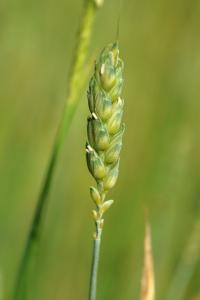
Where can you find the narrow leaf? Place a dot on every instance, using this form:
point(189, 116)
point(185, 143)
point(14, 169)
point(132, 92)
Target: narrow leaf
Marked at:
point(147, 283)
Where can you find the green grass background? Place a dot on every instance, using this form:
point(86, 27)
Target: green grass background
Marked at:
point(160, 161)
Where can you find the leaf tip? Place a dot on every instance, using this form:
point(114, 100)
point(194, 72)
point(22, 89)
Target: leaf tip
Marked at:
point(148, 281)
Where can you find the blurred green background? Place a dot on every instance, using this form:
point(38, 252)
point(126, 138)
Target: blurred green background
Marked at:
point(160, 162)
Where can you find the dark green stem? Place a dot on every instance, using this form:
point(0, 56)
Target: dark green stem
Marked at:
point(75, 86)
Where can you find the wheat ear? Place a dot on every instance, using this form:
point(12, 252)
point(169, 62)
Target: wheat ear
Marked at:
point(104, 131)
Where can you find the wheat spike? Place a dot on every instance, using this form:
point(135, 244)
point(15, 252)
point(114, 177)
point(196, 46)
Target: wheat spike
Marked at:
point(105, 128)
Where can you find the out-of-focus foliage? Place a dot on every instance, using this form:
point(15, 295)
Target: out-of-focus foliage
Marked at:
point(160, 163)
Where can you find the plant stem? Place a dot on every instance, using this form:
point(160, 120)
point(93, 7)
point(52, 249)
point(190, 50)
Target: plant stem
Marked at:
point(186, 266)
point(75, 85)
point(95, 261)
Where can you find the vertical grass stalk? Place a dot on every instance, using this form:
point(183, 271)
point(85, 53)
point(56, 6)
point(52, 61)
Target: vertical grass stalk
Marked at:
point(104, 133)
point(75, 85)
point(186, 266)
point(95, 262)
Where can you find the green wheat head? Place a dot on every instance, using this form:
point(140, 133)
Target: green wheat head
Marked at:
point(105, 128)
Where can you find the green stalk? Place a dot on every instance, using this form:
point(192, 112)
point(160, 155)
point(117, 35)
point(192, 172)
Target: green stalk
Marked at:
point(95, 262)
point(186, 266)
point(75, 85)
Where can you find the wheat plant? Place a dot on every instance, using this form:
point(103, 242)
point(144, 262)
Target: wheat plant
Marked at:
point(104, 132)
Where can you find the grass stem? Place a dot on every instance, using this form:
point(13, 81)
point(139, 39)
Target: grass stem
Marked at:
point(76, 83)
point(186, 266)
point(95, 262)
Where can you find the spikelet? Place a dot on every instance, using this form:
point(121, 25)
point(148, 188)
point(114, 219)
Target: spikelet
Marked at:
point(104, 126)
